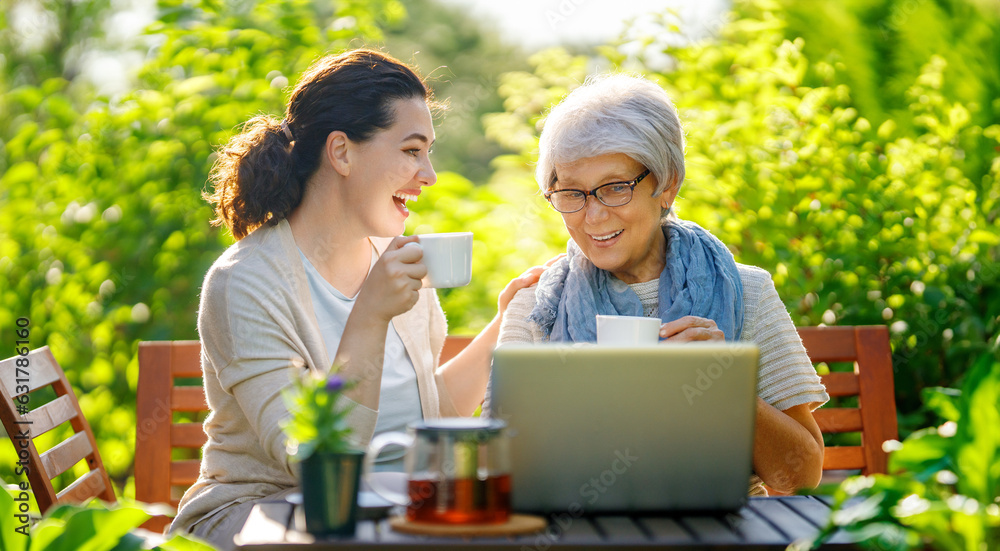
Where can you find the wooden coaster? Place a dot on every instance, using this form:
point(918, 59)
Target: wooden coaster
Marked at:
point(516, 524)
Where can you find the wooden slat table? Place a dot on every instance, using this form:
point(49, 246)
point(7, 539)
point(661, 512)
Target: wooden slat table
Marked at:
point(763, 524)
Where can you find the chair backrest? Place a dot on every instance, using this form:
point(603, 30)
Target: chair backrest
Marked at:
point(867, 347)
point(452, 346)
point(871, 381)
point(158, 477)
point(23, 377)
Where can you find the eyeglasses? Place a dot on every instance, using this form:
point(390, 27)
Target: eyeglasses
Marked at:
point(614, 194)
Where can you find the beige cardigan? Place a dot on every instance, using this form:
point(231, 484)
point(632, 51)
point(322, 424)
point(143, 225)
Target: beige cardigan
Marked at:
point(258, 329)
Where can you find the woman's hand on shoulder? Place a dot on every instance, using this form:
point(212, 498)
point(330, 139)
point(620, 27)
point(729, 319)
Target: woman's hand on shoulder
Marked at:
point(393, 286)
point(527, 279)
point(691, 328)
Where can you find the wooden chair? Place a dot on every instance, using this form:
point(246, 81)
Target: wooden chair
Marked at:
point(452, 346)
point(23, 426)
point(871, 381)
point(158, 477)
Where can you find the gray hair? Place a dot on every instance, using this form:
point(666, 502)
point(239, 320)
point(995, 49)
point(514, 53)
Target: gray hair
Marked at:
point(616, 113)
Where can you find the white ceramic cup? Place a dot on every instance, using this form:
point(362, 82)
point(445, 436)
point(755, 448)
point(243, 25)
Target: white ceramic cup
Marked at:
point(448, 257)
point(627, 330)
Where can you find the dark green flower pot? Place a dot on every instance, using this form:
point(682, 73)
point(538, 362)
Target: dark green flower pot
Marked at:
point(330, 492)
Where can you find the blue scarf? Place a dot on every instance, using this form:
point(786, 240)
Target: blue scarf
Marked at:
point(699, 279)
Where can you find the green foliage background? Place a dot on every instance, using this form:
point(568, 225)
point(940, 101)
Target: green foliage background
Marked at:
point(860, 221)
point(849, 149)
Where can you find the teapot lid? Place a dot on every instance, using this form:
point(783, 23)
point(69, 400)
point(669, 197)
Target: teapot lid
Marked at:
point(459, 426)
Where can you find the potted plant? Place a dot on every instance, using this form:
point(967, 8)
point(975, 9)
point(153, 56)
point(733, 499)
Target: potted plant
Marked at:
point(318, 438)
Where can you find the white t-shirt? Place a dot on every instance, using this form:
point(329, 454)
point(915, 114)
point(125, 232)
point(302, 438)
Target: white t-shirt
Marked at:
point(399, 400)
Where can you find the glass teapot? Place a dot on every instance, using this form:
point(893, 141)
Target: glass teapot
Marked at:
point(457, 470)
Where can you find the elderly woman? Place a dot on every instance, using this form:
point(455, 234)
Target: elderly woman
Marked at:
point(611, 161)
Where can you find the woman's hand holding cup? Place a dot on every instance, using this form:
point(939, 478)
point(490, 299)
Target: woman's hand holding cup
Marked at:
point(410, 263)
point(691, 328)
point(394, 283)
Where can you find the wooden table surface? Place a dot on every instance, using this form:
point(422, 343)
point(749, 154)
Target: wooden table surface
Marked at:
point(764, 523)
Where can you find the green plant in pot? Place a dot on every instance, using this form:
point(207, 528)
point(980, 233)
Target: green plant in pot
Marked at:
point(330, 465)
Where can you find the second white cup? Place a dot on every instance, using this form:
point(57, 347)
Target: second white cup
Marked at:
point(627, 330)
point(448, 257)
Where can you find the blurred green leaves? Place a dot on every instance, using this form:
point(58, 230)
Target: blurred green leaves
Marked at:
point(104, 238)
point(946, 487)
point(861, 219)
point(95, 527)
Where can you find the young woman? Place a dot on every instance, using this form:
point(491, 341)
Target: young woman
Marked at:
point(318, 276)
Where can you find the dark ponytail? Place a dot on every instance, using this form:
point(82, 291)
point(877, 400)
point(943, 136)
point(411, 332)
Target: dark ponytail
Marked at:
point(260, 175)
point(254, 178)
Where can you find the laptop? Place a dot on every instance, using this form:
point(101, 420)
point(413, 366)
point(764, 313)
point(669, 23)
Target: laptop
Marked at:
point(638, 429)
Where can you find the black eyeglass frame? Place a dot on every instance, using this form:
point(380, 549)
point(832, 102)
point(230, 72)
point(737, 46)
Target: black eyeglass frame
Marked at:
point(586, 194)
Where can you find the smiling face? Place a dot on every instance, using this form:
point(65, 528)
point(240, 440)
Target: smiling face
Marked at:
point(626, 240)
point(390, 169)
